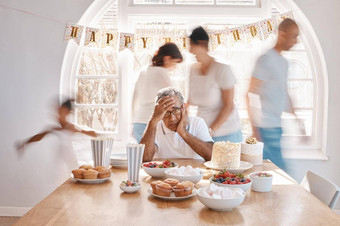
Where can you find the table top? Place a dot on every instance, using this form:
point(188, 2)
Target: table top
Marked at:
point(74, 203)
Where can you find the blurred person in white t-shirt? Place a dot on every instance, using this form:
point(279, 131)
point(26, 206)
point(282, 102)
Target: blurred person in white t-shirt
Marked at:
point(211, 89)
point(149, 83)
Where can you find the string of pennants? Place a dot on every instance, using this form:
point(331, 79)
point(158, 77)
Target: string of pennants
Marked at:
point(136, 42)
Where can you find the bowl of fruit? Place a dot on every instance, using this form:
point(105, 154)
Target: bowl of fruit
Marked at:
point(233, 180)
point(129, 186)
point(157, 169)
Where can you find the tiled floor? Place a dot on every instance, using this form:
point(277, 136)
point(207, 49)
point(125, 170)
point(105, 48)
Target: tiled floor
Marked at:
point(8, 221)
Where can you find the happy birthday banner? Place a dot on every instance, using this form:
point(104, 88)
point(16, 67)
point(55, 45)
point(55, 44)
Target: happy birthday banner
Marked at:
point(136, 42)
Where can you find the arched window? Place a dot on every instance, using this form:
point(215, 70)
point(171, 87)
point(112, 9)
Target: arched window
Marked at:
point(99, 89)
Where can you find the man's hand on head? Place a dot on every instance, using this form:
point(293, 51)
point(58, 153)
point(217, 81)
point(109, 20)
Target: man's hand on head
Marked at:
point(182, 125)
point(162, 106)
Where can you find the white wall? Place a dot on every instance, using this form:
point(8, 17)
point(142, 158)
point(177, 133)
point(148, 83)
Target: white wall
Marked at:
point(324, 17)
point(31, 54)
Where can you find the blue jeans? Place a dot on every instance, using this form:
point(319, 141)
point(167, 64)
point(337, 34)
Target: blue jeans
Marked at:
point(234, 137)
point(271, 138)
point(138, 131)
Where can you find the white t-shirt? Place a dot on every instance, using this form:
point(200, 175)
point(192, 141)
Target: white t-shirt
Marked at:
point(146, 89)
point(171, 144)
point(206, 92)
point(272, 69)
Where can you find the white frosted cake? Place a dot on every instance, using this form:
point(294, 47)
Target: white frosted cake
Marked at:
point(252, 151)
point(226, 155)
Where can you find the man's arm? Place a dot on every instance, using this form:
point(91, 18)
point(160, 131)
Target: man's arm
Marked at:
point(149, 140)
point(164, 104)
point(290, 109)
point(254, 86)
point(202, 148)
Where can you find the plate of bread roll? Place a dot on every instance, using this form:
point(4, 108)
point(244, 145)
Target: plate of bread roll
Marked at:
point(91, 175)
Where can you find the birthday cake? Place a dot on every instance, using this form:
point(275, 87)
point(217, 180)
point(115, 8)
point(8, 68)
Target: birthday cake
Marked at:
point(226, 155)
point(252, 151)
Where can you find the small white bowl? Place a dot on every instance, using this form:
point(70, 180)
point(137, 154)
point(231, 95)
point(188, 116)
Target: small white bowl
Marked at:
point(261, 184)
point(156, 172)
point(244, 187)
point(194, 179)
point(219, 204)
point(130, 189)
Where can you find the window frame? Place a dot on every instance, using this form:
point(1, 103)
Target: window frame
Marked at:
point(127, 14)
point(214, 3)
point(115, 76)
point(71, 63)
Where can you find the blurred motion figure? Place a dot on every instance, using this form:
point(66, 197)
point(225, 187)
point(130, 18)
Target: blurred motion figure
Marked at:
point(63, 111)
point(268, 93)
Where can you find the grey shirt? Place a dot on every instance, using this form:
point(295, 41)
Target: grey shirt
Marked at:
point(272, 69)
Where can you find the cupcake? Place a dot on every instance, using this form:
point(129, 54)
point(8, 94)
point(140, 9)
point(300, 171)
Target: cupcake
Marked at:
point(163, 189)
point(78, 173)
point(100, 167)
point(103, 173)
point(90, 174)
point(171, 181)
point(190, 184)
point(182, 189)
point(85, 167)
point(153, 186)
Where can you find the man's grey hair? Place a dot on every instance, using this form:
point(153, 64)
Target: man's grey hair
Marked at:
point(170, 91)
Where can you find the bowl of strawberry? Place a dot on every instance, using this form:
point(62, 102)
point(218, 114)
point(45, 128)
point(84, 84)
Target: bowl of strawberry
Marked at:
point(157, 169)
point(129, 186)
point(234, 180)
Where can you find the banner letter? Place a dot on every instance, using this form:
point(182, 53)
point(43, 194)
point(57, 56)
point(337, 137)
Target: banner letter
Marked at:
point(109, 37)
point(93, 37)
point(144, 42)
point(253, 31)
point(74, 32)
point(269, 26)
point(127, 40)
point(167, 40)
point(218, 38)
point(236, 35)
point(184, 42)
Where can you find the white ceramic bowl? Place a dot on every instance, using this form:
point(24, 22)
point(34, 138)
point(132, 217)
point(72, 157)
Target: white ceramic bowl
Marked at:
point(130, 189)
point(156, 172)
point(219, 204)
point(244, 187)
point(194, 179)
point(261, 184)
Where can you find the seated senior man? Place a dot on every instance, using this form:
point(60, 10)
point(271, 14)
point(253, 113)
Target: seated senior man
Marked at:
point(170, 133)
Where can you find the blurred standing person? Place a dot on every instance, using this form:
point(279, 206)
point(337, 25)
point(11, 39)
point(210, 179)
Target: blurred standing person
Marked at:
point(212, 91)
point(156, 77)
point(268, 87)
point(64, 130)
point(63, 111)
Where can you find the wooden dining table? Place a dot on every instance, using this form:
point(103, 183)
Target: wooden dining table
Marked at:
point(74, 203)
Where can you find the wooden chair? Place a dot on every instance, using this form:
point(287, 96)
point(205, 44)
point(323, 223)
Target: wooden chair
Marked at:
point(323, 189)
